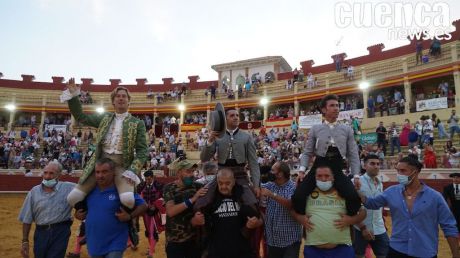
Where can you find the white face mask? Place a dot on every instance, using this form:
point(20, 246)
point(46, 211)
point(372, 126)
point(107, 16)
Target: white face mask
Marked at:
point(209, 178)
point(49, 183)
point(324, 186)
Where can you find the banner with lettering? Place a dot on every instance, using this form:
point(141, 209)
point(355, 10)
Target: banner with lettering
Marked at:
point(346, 115)
point(429, 104)
point(309, 121)
point(368, 138)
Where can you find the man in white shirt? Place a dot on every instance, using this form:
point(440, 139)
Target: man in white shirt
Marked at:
point(372, 230)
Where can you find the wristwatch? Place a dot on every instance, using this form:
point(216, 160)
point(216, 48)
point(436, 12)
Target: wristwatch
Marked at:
point(274, 195)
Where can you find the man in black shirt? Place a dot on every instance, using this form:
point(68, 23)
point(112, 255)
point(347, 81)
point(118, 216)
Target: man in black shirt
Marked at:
point(452, 195)
point(382, 137)
point(228, 221)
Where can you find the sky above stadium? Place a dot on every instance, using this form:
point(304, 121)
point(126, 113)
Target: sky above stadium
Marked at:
point(104, 39)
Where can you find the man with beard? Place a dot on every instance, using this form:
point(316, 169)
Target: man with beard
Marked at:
point(179, 196)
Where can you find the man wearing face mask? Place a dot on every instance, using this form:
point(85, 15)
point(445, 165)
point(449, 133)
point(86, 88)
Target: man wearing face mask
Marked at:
point(325, 221)
point(372, 230)
point(283, 233)
point(210, 171)
point(330, 143)
point(46, 205)
point(416, 212)
point(179, 196)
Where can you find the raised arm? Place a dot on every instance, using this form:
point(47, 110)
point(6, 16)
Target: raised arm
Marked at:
point(210, 148)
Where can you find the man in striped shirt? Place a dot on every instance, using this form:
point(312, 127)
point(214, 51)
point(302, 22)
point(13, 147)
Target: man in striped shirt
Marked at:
point(282, 232)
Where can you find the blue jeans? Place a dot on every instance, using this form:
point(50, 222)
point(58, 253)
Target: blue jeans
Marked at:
point(453, 130)
point(114, 254)
point(395, 142)
point(51, 242)
point(290, 251)
point(379, 244)
point(441, 131)
point(342, 251)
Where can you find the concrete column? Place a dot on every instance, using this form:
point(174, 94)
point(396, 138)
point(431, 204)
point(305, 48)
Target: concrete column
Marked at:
point(365, 91)
point(407, 95)
point(265, 114)
point(296, 107)
point(236, 93)
point(230, 85)
point(11, 121)
point(73, 122)
point(155, 115)
point(457, 89)
point(208, 115)
point(453, 52)
point(42, 119)
point(155, 100)
point(296, 87)
point(404, 64)
point(327, 81)
point(12, 113)
point(182, 116)
point(219, 83)
point(365, 97)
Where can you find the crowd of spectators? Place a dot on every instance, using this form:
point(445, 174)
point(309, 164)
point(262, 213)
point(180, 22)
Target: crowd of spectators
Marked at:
point(251, 115)
point(170, 95)
point(164, 149)
point(390, 102)
point(281, 112)
point(195, 118)
point(85, 97)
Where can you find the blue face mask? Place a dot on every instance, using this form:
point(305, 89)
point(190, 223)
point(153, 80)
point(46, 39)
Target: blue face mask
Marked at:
point(187, 181)
point(403, 179)
point(49, 183)
point(324, 186)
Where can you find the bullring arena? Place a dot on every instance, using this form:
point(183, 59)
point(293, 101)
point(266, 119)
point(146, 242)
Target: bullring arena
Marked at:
point(267, 92)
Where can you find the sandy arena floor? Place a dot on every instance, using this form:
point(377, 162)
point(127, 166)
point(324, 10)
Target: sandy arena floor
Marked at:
point(10, 233)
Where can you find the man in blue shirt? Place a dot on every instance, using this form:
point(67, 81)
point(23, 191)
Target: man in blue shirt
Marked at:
point(106, 221)
point(416, 211)
point(47, 206)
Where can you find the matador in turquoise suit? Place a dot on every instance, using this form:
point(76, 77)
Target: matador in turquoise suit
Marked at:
point(120, 137)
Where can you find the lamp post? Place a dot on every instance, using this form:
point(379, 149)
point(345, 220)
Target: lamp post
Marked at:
point(364, 86)
point(181, 108)
point(11, 108)
point(264, 102)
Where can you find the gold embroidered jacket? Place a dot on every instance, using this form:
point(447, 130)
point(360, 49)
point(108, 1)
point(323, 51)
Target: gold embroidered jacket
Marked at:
point(133, 134)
